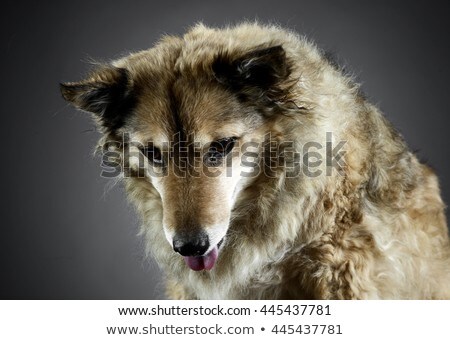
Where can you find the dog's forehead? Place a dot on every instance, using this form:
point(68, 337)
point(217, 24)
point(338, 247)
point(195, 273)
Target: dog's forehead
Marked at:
point(179, 104)
point(202, 105)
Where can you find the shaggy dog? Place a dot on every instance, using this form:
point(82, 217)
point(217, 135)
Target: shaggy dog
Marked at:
point(260, 171)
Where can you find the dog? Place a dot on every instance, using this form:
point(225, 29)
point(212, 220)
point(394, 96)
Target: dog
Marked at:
point(261, 171)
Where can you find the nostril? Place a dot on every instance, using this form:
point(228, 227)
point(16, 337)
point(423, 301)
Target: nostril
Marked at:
point(191, 244)
point(177, 245)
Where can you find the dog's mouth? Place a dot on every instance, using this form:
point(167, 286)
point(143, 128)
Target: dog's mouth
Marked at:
point(204, 262)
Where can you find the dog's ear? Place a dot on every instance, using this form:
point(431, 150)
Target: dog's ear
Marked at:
point(262, 69)
point(107, 93)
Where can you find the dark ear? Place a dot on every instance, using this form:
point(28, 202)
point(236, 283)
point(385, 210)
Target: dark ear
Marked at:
point(107, 93)
point(263, 69)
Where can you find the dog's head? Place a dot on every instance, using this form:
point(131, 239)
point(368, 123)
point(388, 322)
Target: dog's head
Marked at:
point(189, 116)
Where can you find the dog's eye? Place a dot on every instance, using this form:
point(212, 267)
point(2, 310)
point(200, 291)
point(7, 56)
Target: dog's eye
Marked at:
point(218, 150)
point(154, 155)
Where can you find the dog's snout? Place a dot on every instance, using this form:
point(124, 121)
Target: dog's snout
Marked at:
point(193, 244)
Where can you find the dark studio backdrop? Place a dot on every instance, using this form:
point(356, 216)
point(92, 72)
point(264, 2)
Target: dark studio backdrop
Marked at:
point(64, 234)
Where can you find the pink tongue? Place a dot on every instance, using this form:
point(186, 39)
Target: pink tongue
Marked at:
point(202, 262)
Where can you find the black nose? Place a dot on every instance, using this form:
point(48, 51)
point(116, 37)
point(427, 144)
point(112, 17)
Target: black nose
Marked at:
point(191, 244)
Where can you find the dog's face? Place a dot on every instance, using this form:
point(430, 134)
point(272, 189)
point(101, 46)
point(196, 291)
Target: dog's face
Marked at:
point(188, 125)
point(193, 152)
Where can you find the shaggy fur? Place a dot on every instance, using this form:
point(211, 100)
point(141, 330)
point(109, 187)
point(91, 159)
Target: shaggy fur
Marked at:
point(375, 229)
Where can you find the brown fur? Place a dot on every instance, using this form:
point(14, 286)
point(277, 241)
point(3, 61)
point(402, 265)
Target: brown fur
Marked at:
point(374, 229)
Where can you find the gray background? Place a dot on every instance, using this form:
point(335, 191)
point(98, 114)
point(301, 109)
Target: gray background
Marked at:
point(64, 234)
